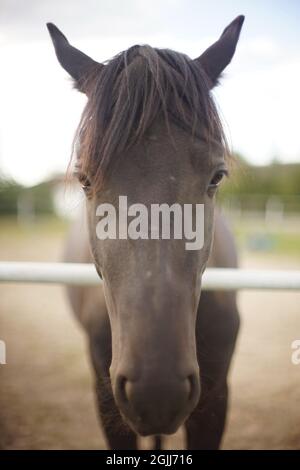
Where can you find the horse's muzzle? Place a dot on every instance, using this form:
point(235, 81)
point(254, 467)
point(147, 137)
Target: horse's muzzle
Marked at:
point(157, 406)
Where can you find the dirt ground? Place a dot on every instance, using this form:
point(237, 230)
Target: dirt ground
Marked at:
point(46, 395)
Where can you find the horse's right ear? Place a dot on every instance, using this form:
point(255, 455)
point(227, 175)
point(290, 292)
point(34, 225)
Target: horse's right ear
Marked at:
point(76, 63)
point(218, 56)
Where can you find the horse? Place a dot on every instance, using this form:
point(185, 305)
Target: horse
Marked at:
point(160, 351)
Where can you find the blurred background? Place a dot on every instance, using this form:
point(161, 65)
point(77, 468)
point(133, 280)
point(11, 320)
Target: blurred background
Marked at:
point(46, 398)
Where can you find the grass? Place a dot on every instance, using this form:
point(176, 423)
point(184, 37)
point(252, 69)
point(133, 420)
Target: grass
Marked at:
point(254, 235)
point(10, 227)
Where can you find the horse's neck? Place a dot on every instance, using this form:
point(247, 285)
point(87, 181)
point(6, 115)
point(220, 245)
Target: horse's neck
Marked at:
point(77, 247)
point(223, 254)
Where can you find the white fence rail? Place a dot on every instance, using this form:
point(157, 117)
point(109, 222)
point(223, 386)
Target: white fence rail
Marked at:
point(85, 274)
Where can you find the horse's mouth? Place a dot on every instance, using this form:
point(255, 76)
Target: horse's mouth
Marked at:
point(149, 429)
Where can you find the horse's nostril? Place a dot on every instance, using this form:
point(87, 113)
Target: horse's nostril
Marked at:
point(194, 387)
point(121, 388)
point(128, 389)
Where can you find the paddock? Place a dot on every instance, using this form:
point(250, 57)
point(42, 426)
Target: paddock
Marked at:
point(46, 386)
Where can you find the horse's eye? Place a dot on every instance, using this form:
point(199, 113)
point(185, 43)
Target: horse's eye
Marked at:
point(84, 181)
point(217, 178)
point(86, 185)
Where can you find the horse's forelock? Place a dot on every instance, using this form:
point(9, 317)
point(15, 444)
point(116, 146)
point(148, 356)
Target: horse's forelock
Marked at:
point(129, 93)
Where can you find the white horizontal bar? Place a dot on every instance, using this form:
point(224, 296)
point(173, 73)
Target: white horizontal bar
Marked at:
point(52, 273)
point(85, 274)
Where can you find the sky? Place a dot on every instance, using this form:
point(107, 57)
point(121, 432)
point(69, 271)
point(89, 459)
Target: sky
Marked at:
point(259, 95)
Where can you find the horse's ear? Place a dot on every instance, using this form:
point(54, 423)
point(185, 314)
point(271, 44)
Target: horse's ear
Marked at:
point(76, 63)
point(218, 56)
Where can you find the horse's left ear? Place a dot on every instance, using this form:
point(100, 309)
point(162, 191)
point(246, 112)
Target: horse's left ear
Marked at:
point(218, 56)
point(79, 65)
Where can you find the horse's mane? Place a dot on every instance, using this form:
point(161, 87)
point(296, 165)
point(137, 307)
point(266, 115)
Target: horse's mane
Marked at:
point(126, 96)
